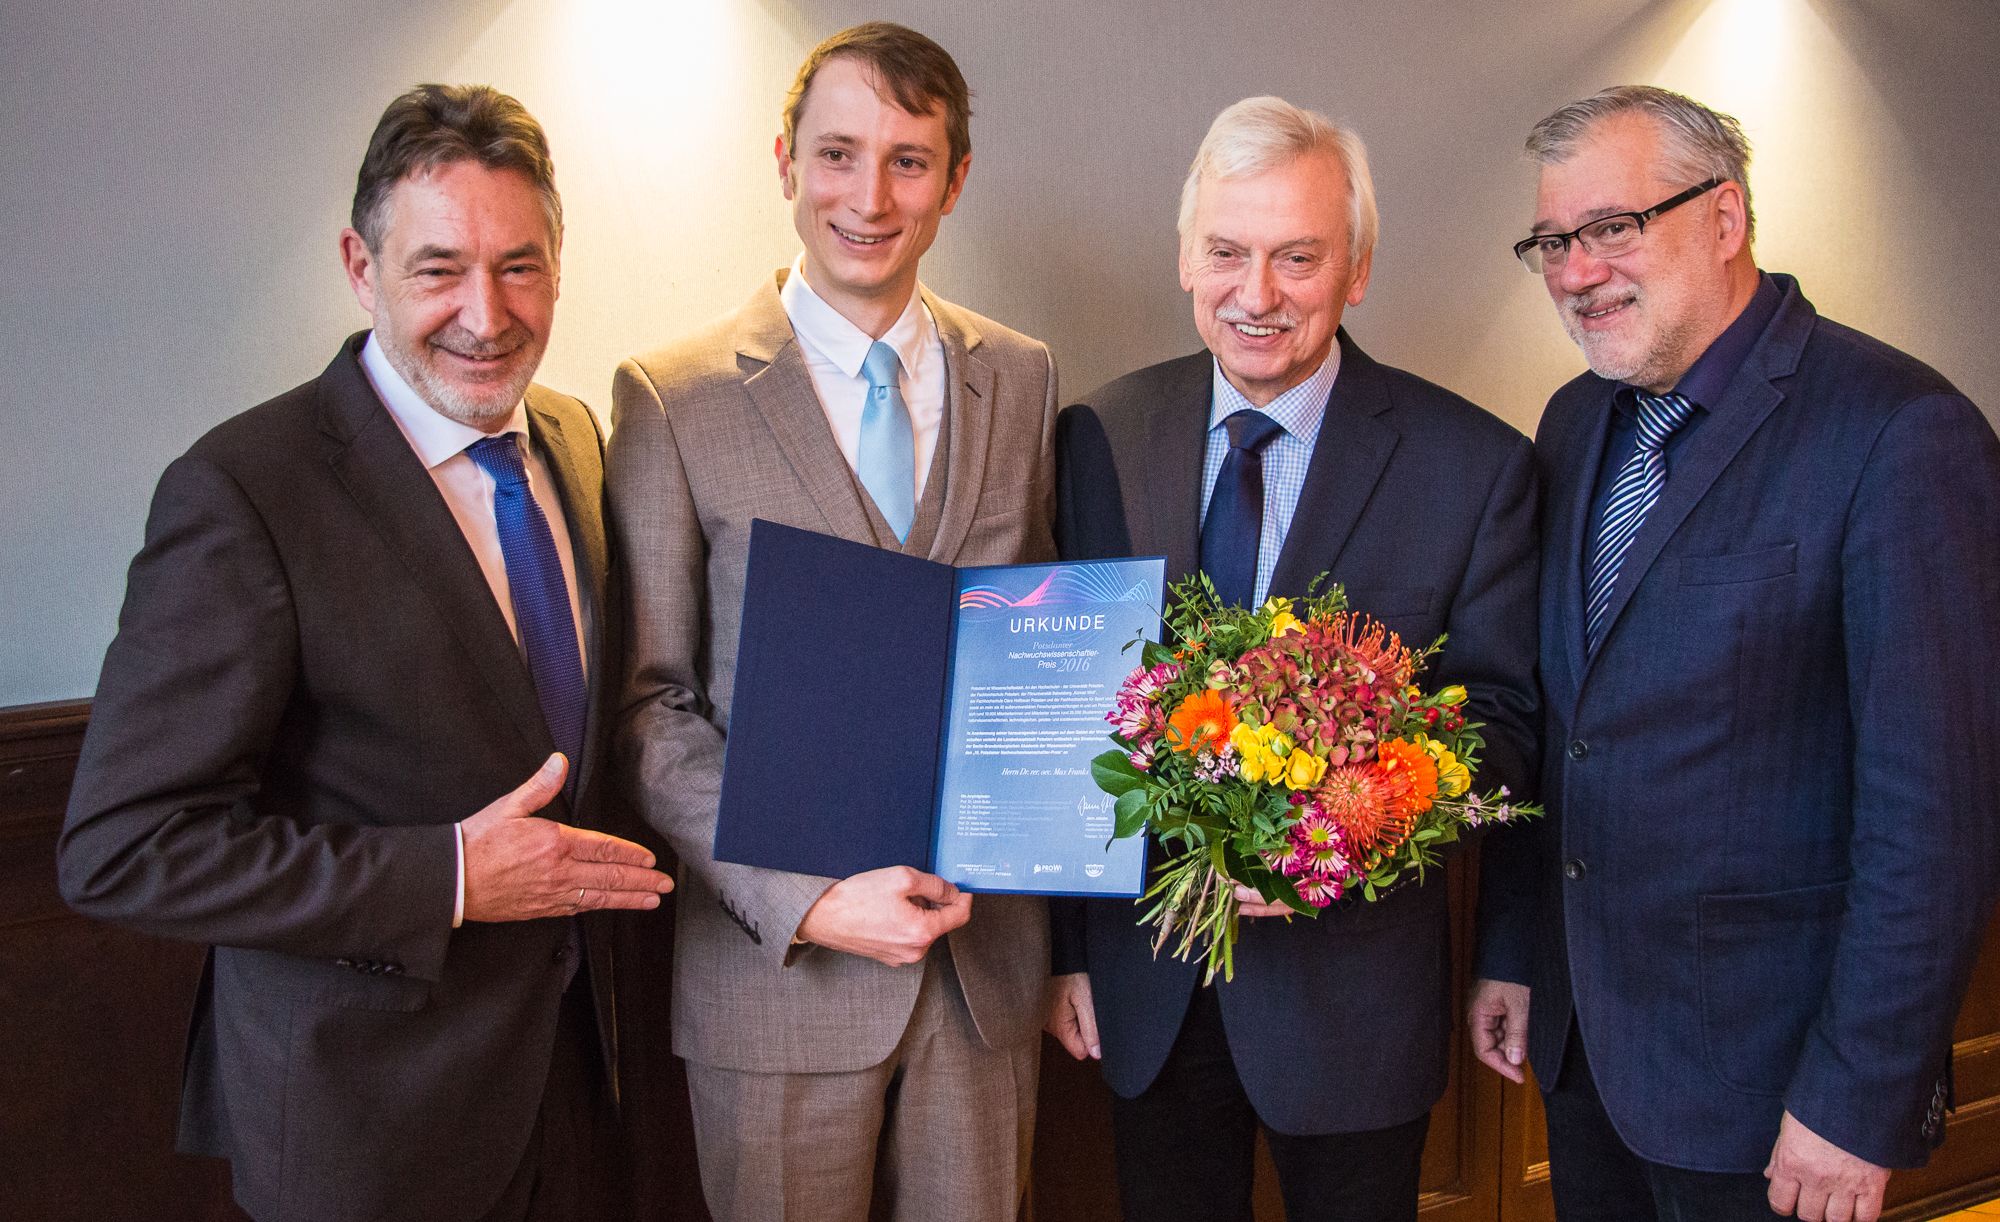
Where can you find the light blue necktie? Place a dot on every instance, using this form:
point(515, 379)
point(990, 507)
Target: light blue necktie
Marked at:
point(886, 458)
point(1633, 494)
point(541, 598)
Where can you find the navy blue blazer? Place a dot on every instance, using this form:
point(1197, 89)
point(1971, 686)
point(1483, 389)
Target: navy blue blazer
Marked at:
point(1772, 841)
point(1423, 506)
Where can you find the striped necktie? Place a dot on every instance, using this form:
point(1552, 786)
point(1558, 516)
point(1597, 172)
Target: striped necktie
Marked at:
point(1633, 494)
point(535, 583)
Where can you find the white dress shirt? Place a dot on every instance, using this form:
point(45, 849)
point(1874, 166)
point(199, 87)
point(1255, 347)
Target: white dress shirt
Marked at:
point(834, 349)
point(440, 443)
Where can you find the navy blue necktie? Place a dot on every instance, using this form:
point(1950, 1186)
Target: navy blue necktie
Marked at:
point(542, 613)
point(1235, 523)
point(1633, 494)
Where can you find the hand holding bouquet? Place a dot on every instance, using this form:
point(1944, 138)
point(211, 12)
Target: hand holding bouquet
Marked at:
point(1287, 749)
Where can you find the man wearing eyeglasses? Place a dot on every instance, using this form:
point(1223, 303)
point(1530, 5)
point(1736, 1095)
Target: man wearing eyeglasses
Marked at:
point(1768, 582)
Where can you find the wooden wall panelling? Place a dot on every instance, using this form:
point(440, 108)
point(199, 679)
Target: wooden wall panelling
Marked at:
point(92, 1021)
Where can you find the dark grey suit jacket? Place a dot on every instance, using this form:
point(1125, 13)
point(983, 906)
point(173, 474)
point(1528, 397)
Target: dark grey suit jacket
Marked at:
point(310, 684)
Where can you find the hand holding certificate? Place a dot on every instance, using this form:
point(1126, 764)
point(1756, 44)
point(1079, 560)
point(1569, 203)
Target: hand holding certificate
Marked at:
point(892, 711)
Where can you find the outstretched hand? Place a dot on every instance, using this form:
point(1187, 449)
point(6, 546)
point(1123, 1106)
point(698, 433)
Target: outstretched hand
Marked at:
point(519, 867)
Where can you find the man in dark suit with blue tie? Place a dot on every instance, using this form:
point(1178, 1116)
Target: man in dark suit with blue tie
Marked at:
point(1280, 453)
point(1769, 594)
point(351, 731)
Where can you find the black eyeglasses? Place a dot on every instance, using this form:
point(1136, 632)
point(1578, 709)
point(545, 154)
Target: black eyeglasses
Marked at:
point(1606, 237)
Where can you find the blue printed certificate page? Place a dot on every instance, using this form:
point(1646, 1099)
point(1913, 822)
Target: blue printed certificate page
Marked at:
point(1038, 656)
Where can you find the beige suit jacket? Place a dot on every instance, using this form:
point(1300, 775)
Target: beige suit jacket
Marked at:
point(710, 432)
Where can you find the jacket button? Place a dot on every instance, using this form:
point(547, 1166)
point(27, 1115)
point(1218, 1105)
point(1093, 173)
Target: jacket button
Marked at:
point(344, 962)
point(1573, 869)
point(1578, 749)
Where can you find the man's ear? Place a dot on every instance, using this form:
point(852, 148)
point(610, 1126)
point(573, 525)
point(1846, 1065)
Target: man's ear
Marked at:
point(784, 156)
point(1732, 219)
point(359, 263)
point(953, 188)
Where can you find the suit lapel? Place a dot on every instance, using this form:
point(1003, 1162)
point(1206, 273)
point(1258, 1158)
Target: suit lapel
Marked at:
point(1348, 460)
point(583, 511)
point(374, 462)
point(782, 390)
point(1171, 476)
point(1569, 522)
point(1752, 396)
point(969, 389)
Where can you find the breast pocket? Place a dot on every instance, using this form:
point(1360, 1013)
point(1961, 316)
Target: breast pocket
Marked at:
point(1402, 609)
point(1765, 959)
point(1736, 567)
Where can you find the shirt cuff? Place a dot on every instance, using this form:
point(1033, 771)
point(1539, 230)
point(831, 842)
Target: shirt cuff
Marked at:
point(458, 902)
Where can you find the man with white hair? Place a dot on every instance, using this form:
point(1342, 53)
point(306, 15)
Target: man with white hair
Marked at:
point(1280, 453)
point(1768, 581)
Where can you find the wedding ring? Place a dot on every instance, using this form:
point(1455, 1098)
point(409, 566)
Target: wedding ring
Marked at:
point(578, 906)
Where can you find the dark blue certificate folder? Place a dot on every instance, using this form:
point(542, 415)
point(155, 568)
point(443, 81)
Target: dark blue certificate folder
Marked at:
point(889, 710)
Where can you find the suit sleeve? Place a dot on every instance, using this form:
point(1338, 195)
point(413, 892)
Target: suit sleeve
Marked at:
point(164, 832)
point(1505, 694)
point(1922, 634)
point(668, 741)
point(1066, 913)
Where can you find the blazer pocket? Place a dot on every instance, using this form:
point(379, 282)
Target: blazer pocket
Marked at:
point(1765, 563)
point(1390, 602)
point(1765, 959)
point(322, 982)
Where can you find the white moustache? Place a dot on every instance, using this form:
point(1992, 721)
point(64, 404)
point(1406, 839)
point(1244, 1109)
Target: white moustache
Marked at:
point(1243, 318)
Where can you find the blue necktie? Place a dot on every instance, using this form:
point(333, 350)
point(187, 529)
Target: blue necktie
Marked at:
point(1633, 494)
point(541, 599)
point(1234, 527)
point(886, 458)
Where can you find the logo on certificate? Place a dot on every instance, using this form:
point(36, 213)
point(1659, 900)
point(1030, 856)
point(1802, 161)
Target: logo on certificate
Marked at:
point(1093, 869)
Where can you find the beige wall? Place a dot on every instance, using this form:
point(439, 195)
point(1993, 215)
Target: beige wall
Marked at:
point(176, 174)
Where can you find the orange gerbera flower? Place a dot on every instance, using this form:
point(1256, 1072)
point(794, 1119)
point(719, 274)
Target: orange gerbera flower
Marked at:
point(1412, 775)
point(1361, 799)
point(1201, 723)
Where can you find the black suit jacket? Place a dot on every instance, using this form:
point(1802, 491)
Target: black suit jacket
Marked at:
point(1772, 848)
point(310, 684)
point(1422, 505)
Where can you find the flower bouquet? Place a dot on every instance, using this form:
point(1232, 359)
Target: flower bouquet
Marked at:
point(1287, 749)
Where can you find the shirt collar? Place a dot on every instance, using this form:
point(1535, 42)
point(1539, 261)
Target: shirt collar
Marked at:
point(1707, 380)
point(1298, 411)
point(913, 335)
point(432, 434)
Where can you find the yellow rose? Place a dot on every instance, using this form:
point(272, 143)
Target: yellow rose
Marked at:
point(1453, 695)
point(1283, 622)
point(1303, 770)
point(1453, 778)
point(1253, 761)
point(1282, 606)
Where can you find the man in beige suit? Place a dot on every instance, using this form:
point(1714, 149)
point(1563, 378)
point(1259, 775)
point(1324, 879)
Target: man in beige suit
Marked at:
point(872, 1035)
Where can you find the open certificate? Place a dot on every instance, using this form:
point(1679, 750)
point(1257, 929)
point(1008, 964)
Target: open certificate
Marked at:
point(908, 713)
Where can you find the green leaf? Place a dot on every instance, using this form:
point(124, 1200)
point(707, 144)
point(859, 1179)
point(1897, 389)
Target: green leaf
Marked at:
point(1114, 773)
point(1131, 814)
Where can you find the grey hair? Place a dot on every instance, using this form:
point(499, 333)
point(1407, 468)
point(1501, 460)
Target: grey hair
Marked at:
point(1698, 143)
point(1259, 134)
